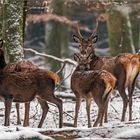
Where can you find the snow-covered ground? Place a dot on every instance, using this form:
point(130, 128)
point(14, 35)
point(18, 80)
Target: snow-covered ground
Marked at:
point(51, 121)
point(15, 133)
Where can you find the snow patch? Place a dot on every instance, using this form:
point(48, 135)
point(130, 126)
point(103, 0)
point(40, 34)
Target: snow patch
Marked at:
point(9, 133)
point(129, 134)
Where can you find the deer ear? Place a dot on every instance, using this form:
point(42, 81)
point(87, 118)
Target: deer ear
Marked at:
point(76, 39)
point(94, 39)
point(76, 57)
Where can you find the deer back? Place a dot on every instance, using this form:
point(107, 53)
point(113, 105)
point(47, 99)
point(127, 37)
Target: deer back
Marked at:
point(84, 78)
point(130, 64)
point(24, 86)
point(20, 66)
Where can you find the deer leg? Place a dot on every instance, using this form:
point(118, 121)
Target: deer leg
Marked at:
point(18, 114)
point(78, 103)
point(26, 115)
point(59, 104)
point(88, 104)
point(102, 116)
point(99, 117)
point(121, 89)
point(106, 116)
point(120, 74)
point(98, 101)
point(8, 104)
point(125, 103)
point(130, 90)
point(104, 111)
point(45, 109)
point(130, 102)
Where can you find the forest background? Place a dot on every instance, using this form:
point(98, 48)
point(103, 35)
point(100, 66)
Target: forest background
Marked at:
point(47, 26)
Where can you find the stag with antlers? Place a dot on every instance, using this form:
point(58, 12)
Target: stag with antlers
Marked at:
point(125, 67)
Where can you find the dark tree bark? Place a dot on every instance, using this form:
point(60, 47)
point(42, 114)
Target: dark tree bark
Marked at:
point(57, 34)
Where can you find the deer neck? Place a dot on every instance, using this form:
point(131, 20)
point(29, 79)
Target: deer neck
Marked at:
point(95, 57)
point(78, 69)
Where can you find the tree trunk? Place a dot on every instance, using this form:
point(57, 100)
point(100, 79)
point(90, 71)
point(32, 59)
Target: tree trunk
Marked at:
point(56, 37)
point(118, 33)
point(13, 28)
point(1, 17)
point(135, 22)
point(123, 30)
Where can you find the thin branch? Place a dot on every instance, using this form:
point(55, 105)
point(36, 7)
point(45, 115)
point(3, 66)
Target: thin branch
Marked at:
point(114, 109)
point(35, 112)
point(61, 69)
point(51, 17)
point(68, 61)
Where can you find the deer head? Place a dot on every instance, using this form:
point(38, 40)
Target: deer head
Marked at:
point(83, 61)
point(86, 46)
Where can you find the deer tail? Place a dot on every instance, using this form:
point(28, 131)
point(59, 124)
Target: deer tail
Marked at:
point(54, 76)
point(110, 85)
point(107, 90)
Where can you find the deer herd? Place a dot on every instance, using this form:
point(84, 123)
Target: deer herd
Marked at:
point(93, 79)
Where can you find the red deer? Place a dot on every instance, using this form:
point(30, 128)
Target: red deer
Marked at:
point(27, 67)
point(21, 66)
point(125, 67)
point(89, 84)
point(18, 67)
point(24, 87)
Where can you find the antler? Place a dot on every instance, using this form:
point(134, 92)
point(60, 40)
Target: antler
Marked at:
point(78, 31)
point(93, 32)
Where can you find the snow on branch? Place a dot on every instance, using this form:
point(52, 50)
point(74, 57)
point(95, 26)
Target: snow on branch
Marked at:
point(66, 61)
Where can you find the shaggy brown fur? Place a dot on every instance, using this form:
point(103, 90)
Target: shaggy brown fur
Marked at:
point(125, 67)
point(24, 87)
point(90, 84)
point(21, 66)
point(15, 77)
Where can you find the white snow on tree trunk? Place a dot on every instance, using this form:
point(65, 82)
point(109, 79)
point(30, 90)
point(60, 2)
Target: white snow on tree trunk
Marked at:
point(12, 28)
